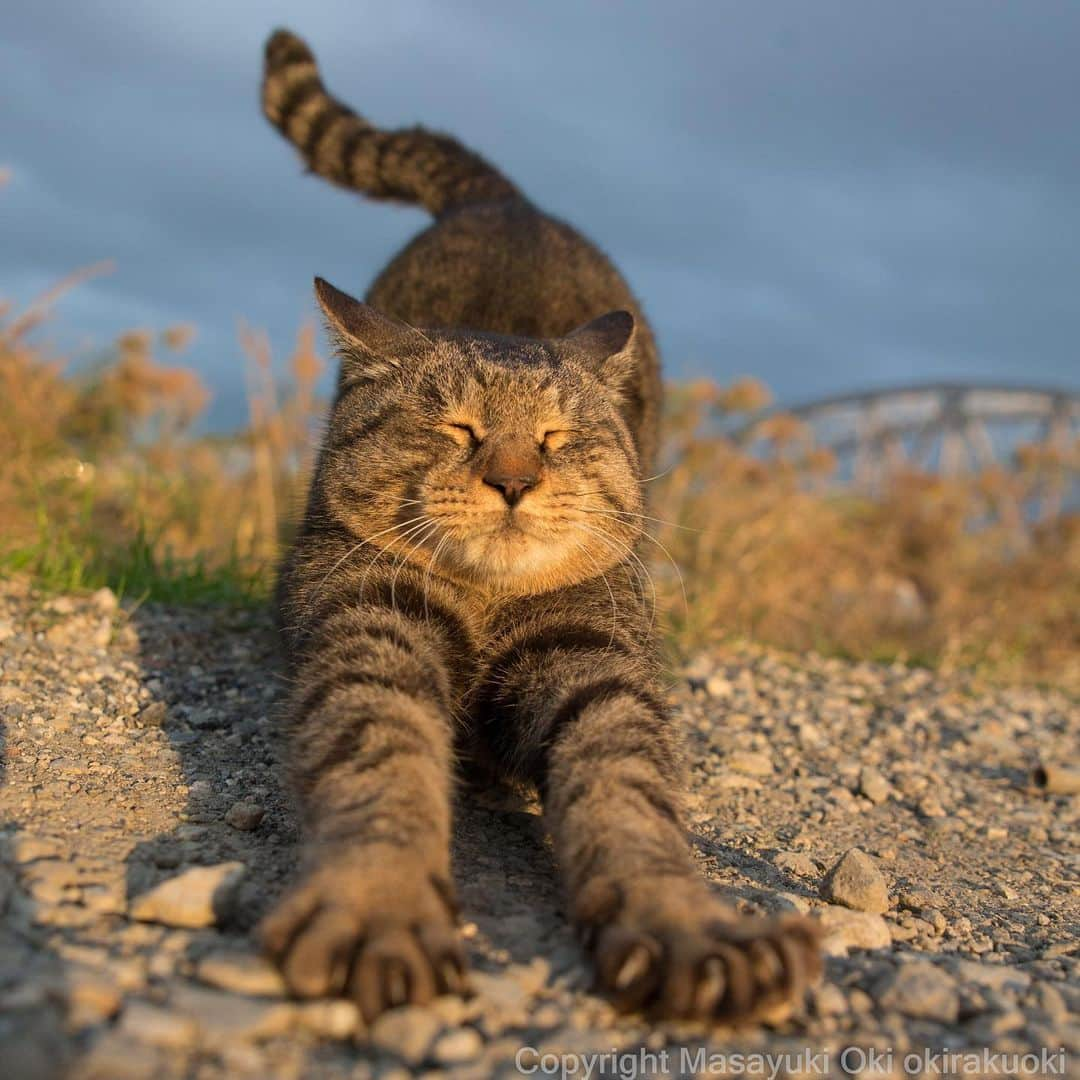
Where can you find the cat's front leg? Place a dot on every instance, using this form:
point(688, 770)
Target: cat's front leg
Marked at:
point(372, 915)
point(600, 743)
point(658, 936)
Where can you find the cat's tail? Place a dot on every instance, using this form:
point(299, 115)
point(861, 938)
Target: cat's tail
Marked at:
point(409, 165)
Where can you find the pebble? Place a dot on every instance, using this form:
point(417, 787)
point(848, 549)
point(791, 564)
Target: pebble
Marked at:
point(336, 1020)
point(407, 1033)
point(92, 997)
point(457, 1047)
point(222, 1018)
point(244, 815)
point(750, 763)
point(195, 898)
point(856, 882)
point(157, 1026)
point(920, 990)
point(796, 862)
point(846, 929)
point(242, 973)
point(873, 785)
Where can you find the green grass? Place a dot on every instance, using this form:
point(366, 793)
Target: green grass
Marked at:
point(65, 559)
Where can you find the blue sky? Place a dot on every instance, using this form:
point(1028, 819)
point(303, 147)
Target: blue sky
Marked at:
point(828, 195)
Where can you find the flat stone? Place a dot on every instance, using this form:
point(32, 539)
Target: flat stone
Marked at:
point(197, 897)
point(920, 990)
point(749, 763)
point(856, 882)
point(846, 929)
point(795, 862)
point(222, 1018)
point(28, 848)
point(157, 1026)
point(996, 977)
point(408, 1033)
point(244, 815)
point(241, 973)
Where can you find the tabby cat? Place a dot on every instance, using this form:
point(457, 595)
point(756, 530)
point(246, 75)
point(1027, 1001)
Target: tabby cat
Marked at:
point(466, 581)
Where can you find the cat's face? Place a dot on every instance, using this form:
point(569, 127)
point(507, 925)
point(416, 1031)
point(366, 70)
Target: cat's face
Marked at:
point(500, 462)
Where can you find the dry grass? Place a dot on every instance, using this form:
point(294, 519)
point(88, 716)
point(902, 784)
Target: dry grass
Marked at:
point(103, 481)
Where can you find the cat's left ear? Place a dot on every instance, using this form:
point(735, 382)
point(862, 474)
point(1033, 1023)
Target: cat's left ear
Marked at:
point(369, 342)
point(606, 344)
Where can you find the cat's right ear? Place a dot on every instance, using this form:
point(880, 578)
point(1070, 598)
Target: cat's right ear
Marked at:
point(369, 343)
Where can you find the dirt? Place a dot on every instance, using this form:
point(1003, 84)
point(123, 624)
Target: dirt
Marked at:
point(140, 744)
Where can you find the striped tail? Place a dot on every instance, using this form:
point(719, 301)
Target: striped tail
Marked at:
point(411, 165)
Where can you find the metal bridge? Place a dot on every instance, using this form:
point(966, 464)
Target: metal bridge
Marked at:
point(946, 428)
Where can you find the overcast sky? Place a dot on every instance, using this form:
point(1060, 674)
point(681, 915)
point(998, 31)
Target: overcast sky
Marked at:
point(827, 195)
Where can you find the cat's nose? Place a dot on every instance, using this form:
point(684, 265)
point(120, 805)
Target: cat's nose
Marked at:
point(513, 487)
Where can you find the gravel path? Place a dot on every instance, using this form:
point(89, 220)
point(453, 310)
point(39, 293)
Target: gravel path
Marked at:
point(137, 749)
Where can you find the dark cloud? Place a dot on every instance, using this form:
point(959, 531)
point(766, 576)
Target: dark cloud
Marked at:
point(826, 195)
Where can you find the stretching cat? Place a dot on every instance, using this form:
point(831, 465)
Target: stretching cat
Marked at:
point(465, 582)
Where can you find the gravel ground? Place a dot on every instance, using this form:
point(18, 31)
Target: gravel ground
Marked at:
point(139, 748)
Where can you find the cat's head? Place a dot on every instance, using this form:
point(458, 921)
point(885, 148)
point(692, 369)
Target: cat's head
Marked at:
point(501, 461)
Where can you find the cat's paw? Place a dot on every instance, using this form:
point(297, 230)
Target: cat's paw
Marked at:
point(675, 951)
point(384, 936)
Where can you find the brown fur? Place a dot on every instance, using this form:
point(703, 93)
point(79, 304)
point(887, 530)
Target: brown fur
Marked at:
point(466, 579)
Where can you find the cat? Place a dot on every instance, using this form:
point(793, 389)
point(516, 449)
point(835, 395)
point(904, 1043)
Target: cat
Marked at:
point(465, 581)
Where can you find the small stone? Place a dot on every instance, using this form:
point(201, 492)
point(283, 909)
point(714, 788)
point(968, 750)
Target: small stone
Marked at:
point(92, 997)
point(795, 862)
point(223, 1018)
point(197, 897)
point(873, 785)
point(856, 882)
point(749, 762)
point(407, 1032)
point(718, 686)
point(829, 1000)
point(28, 848)
point(241, 973)
point(922, 991)
point(457, 1047)
point(117, 1056)
point(845, 929)
point(104, 599)
point(917, 898)
point(330, 1019)
point(156, 1026)
point(244, 815)
point(105, 899)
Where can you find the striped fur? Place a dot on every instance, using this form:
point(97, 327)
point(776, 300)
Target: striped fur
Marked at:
point(467, 580)
point(412, 165)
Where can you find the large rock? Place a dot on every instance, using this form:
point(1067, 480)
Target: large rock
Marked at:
point(857, 883)
point(201, 896)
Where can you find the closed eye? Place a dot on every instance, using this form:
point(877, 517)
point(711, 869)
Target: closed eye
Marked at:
point(554, 440)
point(463, 434)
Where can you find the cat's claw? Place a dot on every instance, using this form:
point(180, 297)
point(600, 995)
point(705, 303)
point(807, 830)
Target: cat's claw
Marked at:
point(382, 939)
point(685, 961)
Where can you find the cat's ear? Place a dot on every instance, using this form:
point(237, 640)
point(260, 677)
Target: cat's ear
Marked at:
point(369, 343)
point(606, 346)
